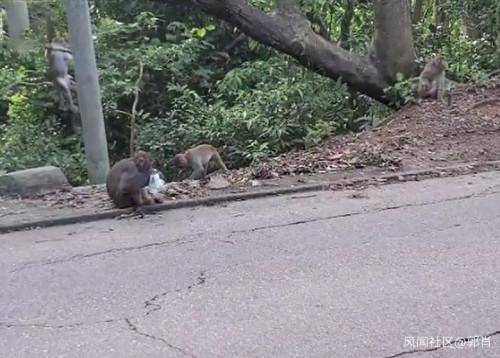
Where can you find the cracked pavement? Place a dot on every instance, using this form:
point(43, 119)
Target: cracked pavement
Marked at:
point(323, 274)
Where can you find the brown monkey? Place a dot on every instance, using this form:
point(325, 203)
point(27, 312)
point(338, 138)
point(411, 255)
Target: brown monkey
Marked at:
point(432, 80)
point(127, 179)
point(58, 56)
point(198, 159)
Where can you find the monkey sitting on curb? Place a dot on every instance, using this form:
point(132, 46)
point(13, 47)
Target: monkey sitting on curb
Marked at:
point(198, 160)
point(127, 180)
point(432, 80)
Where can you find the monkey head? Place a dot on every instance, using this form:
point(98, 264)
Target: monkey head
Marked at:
point(439, 63)
point(143, 162)
point(57, 44)
point(180, 161)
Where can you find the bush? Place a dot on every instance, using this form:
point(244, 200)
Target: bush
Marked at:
point(255, 111)
point(28, 141)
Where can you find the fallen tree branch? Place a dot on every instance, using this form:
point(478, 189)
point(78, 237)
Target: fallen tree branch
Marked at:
point(482, 103)
point(288, 31)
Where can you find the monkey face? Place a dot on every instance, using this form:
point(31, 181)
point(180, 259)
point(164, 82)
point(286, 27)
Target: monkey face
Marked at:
point(439, 64)
point(142, 161)
point(180, 161)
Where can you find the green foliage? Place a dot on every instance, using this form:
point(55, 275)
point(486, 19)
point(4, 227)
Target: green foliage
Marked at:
point(252, 102)
point(403, 90)
point(27, 141)
point(255, 111)
point(465, 37)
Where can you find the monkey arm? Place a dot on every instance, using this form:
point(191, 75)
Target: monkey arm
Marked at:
point(199, 173)
point(198, 167)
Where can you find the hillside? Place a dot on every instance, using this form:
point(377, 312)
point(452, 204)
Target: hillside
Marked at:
point(425, 135)
point(417, 136)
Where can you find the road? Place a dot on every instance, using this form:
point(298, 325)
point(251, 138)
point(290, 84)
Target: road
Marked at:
point(390, 271)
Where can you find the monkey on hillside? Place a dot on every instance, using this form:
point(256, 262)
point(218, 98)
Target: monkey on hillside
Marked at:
point(127, 180)
point(432, 81)
point(58, 57)
point(198, 159)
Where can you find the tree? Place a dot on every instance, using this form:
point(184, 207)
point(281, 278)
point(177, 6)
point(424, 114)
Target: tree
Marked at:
point(17, 22)
point(89, 97)
point(418, 9)
point(288, 31)
point(498, 32)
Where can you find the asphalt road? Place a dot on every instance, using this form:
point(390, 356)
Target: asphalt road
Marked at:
point(385, 272)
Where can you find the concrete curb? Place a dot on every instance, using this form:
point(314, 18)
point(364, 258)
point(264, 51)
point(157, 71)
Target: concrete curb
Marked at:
point(455, 170)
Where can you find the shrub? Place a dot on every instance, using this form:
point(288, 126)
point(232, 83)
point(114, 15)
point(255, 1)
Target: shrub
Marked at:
point(27, 141)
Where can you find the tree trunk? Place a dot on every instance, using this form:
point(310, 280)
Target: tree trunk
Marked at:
point(49, 27)
point(17, 23)
point(470, 22)
point(439, 13)
point(418, 10)
point(345, 25)
point(289, 32)
point(89, 97)
point(1, 23)
point(498, 33)
point(393, 40)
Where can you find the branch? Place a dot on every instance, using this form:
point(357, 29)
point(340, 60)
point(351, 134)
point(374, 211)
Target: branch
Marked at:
point(13, 85)
point(123, 112)
point(134, 108)
point(289, 32)
point(482, 103)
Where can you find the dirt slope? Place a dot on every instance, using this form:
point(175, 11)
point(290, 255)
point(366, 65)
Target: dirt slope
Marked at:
point(428, 134)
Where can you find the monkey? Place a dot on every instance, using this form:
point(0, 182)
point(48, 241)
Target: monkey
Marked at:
point(432, 80)
point(198, 159)
point(127, 180)
point(58, 57)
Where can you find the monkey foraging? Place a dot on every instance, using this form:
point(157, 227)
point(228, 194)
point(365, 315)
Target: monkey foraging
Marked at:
point(127, 180)
point(198, 160)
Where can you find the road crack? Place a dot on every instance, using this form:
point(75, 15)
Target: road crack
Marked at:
point(453, 342)
point(152, 305)
point(59, 326)
point(100, 253)
point(135, 329)
point(357, 213)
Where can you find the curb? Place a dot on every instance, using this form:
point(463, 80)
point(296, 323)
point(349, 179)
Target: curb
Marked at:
point(456, 170)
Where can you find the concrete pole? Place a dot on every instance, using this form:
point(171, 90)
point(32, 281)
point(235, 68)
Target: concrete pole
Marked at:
point(2, 14)
point(17, 23)
point(89, 96)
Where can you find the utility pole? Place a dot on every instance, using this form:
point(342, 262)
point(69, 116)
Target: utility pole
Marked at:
point(17, 23)
point(89, 96)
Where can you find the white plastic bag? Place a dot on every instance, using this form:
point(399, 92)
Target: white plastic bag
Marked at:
point(155, 182)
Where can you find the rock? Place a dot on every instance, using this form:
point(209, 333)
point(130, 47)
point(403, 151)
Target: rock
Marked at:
point(218, 182)
point(33, 181)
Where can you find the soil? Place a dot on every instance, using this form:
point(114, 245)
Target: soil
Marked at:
point(425, 135)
